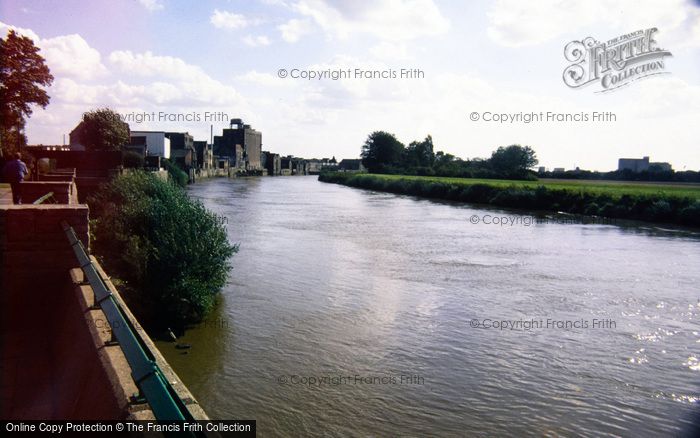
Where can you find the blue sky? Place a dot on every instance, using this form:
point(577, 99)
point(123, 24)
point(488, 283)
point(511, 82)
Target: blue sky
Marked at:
point(504, 56)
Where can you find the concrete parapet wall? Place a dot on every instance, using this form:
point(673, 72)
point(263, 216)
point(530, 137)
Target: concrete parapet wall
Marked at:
point(56, 177)
point(50, 368)
point(64, 192)
point(55, 359)
point(32, 242)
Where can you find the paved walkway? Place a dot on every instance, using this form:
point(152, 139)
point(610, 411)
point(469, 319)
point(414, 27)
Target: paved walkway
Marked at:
point(5, 195)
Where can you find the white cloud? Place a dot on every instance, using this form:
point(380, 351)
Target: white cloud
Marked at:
point(514, 23)
point(71, 56)
point(256, 41)
point(228, 20)
point(390, 51)
point(152, 5)
point(66, 55)
point(392, 20)
point(176, 80)
point(149, 65)
point(294, 29)
point(265, 79)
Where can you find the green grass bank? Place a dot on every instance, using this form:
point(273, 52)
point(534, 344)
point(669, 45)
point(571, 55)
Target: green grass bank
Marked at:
point(662, 203)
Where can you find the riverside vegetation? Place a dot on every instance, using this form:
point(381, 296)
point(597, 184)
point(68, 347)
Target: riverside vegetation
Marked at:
point(169, 253)
point(653, 203)
point(417, 170)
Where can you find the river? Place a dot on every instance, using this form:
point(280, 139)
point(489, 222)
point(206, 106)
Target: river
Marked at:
point(357, 313)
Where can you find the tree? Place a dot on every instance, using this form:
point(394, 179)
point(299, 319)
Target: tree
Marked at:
point(420, 154)
point(513, 161)
point(102, 130)
point(381, 150)
point(23, 73)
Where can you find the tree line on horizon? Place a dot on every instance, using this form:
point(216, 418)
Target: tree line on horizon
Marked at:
point(382, 152)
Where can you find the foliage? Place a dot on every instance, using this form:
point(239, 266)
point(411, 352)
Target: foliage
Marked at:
point(171, 253)
point(177, 175)
point(654, 173)
point(102, 130)
point(420, 154)
point(513, 161)
point(380, 151)
point(678, 205)
point(133, 160)
point(23, 73)
point(383, 153)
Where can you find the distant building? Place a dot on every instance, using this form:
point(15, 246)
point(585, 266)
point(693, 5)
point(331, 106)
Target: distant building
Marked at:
point(559, 170)
point(182, 149)
point(661, 166)
point(221, 163)
point(641, 165)
point(241, 144)
point(155, 141)
point(75, 138)
point(315, 166)
point(633, 164)
point(353, 165)
point(205, 155)
point(300, 166)
point(138, 148)
point(271, 162)
point(286, 165)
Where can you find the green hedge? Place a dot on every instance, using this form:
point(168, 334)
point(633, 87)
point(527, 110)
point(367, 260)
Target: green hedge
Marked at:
point(647, 207)
point(169, 251)
point(178, 175)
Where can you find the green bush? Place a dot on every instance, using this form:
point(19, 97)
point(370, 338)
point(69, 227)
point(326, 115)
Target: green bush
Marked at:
point(170, 252)
point(690, 215)
point(178, 175)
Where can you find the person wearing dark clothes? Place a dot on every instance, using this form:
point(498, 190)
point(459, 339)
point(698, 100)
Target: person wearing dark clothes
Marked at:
point(14, 172)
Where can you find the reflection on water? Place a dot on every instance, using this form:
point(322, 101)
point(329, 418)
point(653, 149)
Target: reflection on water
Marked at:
point(352, 312)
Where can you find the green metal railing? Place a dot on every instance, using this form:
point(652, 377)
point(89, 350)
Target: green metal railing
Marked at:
point(45, 198)
point(164, 401)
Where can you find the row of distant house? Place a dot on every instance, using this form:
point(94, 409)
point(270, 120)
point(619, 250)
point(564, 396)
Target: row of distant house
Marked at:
point(237, 150)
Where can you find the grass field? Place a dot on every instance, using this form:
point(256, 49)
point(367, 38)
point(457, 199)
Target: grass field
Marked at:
point(671, 203)
point(612, 188)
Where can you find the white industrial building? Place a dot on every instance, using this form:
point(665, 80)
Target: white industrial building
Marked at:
point(156, 142)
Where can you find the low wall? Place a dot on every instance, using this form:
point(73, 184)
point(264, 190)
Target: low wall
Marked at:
point(33, 245)
point(47, 355)
point(64, 192)
point(211, 173)
point(56, 177)
point(55, 362)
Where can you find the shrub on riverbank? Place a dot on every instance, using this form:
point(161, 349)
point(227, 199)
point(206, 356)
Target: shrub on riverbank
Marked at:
point(661, 207)
point(170, 253)
point(178, 175)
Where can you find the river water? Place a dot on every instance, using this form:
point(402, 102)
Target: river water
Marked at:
point(359, 313)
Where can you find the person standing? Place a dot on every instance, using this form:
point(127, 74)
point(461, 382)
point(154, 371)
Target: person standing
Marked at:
point(14, 172)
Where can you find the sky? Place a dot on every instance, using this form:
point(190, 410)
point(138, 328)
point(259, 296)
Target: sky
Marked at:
point(188, 59)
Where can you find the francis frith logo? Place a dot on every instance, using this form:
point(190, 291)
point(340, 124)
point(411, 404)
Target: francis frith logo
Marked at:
point(614, 63)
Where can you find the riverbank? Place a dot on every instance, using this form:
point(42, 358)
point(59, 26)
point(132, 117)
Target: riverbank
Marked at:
point(662, 203)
